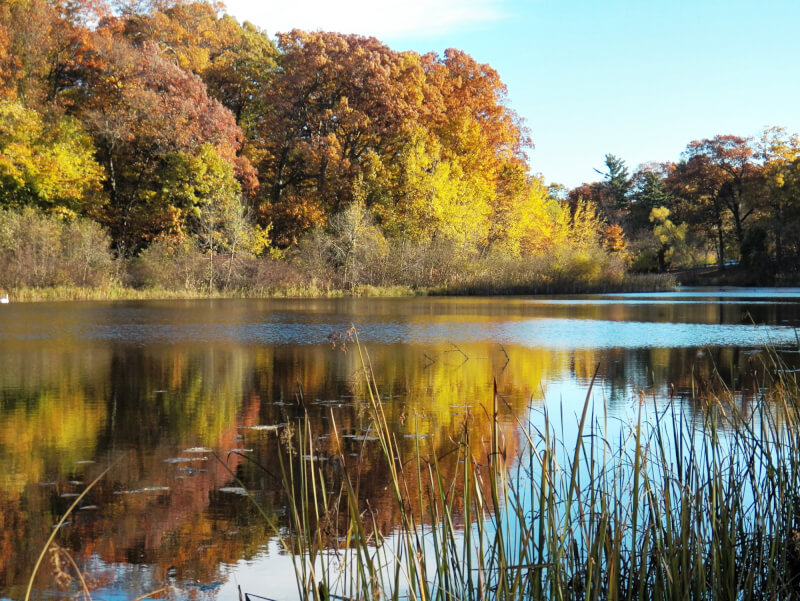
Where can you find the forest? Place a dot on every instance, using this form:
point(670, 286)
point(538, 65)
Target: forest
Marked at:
point(162, 145)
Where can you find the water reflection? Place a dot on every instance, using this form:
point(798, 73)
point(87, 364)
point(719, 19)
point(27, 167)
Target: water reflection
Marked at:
point(161, 385)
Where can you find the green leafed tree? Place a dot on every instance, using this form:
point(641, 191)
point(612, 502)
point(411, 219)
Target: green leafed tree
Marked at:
point(674, 250)
point(200, 191)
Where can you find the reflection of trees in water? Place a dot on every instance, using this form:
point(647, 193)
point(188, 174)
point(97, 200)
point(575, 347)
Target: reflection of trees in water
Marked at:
point(692, 377)
point(145, 404)
point(152, 403)
point(171, 525)
point(355, 450)
point(52, 412)
point(149, 511)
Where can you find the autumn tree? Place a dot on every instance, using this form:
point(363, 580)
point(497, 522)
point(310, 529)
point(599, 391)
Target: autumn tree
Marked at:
point(26, 33)
point(728, 162)
point(778, 153)
point(529, 220)
point(49, 41)
point(674, 249)
point(47, 162)
point(506, 217)
point(336, 102)
point(142, 109)
point(548, 216)
point(9, 64)
point(594, 192)
point(695, 186)
point(586, 227)
point(466, 109)
point(461, 173)
point(427, 196)
point(235, 61)
point(202, 193)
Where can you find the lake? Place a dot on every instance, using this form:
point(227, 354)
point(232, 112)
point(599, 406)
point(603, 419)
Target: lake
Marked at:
point(167, 389)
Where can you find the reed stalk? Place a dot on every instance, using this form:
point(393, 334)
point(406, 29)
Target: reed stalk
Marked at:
point(686, 501)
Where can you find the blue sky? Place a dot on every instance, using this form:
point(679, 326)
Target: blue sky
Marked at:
point(638, 79)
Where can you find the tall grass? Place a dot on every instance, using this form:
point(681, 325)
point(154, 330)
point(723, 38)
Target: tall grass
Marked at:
point(668, 506)
point(115, 291)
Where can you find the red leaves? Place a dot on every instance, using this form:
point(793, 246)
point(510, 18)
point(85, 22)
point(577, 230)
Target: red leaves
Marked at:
point(732, 154)
point(9, 67)
point(326, 117)
point(343, 107)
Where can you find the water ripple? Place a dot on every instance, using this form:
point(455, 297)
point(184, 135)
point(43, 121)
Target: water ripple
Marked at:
point(544, 333)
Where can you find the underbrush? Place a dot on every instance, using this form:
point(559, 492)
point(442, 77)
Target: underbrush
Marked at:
point(47, 257)
point(560, 273)
point(165, 276)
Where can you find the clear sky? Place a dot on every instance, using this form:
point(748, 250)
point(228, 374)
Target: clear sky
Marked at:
point(636, 78)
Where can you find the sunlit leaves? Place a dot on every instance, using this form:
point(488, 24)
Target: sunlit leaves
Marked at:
point(431, 195)
point(8, 64)
point(780, 173)
point(335, 105)
point(143, 109)
point(235, 61)
point(731, 158)
point(174, 94)
point(47, 162)
point(674, 250)
point(196, 184)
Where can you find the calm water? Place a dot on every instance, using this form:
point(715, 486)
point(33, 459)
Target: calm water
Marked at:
point(157, 386)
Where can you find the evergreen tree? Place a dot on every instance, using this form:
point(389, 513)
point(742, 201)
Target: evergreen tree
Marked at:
point(649, 191)
point(617, 181)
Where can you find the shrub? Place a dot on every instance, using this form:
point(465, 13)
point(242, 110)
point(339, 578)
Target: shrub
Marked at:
point(42, 250)
point(87, 258)
point(171, 265)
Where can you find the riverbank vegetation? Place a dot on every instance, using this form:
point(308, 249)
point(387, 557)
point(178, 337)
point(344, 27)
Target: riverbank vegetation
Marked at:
point(164, 146)
point(73, 259)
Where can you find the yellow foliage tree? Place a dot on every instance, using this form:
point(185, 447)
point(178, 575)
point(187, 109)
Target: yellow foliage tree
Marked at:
point(47, 163)
point(431, 197)
point(586, 227)
point(674, 248)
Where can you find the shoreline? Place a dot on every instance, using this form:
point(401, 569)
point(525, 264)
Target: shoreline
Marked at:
point(635, 283)
point(647, 283)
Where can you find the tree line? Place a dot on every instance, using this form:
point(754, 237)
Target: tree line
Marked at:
point(728, 201)
point(205, 152)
